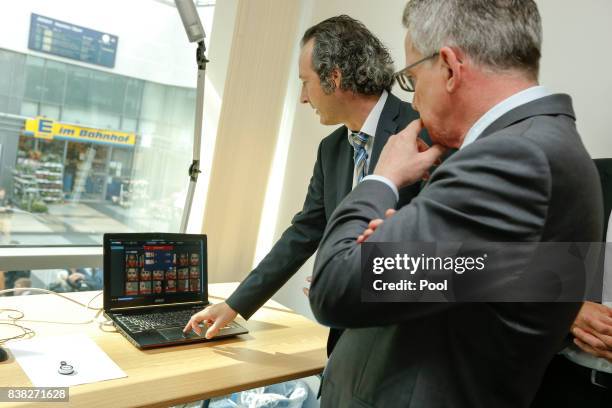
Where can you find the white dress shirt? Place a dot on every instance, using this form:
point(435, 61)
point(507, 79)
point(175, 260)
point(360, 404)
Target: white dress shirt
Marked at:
point(496, 112)
point(607, 281)
point(499, 110)
point(572, 352)
point(369, 128)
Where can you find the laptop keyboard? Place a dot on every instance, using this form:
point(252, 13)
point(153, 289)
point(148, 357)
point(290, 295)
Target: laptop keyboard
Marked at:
point(158, 320)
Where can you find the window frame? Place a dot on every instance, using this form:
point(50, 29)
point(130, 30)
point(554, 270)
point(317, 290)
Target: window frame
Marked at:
point(17, 258)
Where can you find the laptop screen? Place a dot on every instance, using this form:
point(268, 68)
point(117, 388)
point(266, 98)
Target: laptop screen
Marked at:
point(154, 268)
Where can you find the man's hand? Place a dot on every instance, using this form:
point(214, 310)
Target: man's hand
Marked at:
point(75, 277)
point(593, 330)
point(375, 223)
point(307, 290)
point(216, 316)
point(405, 158)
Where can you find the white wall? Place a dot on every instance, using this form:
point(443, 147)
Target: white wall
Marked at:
point(575, 60)
point(152, 45)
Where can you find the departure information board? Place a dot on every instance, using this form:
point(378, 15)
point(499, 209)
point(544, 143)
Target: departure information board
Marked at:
point(72, 41)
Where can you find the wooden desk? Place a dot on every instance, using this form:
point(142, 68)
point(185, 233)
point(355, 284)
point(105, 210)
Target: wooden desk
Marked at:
point(281, 345)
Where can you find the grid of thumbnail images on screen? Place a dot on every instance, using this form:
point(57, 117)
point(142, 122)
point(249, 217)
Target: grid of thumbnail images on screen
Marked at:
point(159, 270)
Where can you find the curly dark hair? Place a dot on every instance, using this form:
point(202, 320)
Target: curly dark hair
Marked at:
point(345, 44)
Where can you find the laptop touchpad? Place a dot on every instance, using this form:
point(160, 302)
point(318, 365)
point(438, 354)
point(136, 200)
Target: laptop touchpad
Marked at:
point(176, 333)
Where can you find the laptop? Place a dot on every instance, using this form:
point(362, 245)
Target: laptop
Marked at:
point(153, 284)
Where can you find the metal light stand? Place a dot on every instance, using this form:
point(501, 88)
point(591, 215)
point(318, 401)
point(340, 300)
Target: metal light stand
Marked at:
point(194, 169)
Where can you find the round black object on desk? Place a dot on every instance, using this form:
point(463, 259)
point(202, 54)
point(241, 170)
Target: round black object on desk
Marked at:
point(3, 355)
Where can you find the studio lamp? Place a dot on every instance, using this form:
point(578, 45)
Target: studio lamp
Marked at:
point(195, 33)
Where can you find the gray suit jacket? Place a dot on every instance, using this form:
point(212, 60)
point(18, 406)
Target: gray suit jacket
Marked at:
point(527, 178)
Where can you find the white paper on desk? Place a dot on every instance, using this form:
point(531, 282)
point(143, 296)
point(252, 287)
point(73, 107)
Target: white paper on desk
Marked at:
point(40, 359)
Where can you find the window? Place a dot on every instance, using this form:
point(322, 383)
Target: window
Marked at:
point(89, 148)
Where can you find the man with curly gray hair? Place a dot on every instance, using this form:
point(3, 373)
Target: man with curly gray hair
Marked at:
point(343, 46)
point(346, 75)
point(473, 67)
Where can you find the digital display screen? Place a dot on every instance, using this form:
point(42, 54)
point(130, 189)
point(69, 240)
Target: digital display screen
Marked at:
point(155, 270)
point(72, 41)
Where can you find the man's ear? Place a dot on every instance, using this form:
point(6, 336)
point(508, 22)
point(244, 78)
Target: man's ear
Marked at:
point(336, 77)
point(453, 65)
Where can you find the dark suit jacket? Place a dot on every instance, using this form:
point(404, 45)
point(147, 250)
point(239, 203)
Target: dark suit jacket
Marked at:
point(331, 181)
point(527, 178)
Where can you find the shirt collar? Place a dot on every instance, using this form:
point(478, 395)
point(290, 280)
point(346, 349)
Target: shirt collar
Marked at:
point(371, 122)
point(505, 106)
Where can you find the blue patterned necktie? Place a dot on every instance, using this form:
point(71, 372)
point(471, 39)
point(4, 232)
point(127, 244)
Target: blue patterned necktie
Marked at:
point(360, 156)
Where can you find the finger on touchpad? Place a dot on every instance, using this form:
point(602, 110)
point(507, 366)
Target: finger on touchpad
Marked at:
point(176, 333)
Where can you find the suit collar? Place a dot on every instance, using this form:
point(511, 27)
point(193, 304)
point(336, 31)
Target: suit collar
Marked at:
point(387, 126)
point(557, 104)
point(501, 108)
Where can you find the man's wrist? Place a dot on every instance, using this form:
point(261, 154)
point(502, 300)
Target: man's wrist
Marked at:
point(385, 180)
point(239, 308)
point(229, 302)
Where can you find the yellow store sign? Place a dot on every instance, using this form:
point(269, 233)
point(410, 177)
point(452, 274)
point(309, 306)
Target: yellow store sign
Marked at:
point(44, 128)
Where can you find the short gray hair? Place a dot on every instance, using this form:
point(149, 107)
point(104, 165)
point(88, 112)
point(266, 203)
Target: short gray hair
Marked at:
point(345, 44)
point(499, 34)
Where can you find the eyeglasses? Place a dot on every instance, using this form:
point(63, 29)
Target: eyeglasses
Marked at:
point(405, 81)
